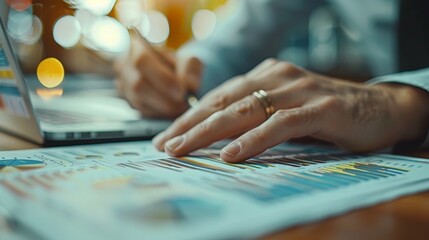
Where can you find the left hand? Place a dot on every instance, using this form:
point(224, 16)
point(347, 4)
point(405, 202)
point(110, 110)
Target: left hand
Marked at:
point(354, 116)
point(155, 81)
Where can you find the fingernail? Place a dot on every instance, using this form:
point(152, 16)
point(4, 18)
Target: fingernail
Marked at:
point(174, 143)
point(232, 149)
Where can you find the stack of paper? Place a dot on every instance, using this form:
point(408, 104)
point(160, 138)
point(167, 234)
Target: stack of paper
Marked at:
point(132, 191)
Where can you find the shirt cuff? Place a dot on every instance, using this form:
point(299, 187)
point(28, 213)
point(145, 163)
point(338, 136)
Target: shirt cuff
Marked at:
point(419, 79)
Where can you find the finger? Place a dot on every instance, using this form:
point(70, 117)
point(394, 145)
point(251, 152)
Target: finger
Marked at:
point(272, 73)
point(262, 68)
point(118, 65)
point(181, 125)
point(229, 92)
point(126, 81)
point(155, 101)
point(214, 101)
point(158, 53)
point(282, 126)
point(134, 51)
point(161, 77)
point(142, 96)
point(285, 97)
point(190, 71)
point(129, 85)
point(169, 56)
point(237, 118)
point(121, 67)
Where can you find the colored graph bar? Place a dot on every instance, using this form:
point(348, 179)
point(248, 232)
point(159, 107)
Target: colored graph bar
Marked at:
point(3, 59)
point(20, 164)
point(14, 190)
point(296, 183)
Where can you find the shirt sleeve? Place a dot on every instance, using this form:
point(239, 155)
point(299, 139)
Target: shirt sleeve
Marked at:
point(419, 79)
point(255, 31)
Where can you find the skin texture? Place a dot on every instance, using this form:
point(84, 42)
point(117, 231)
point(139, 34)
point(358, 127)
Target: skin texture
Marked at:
point(155, 81)
point(354, 116)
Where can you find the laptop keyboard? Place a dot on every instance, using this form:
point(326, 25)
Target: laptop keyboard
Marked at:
point(63, 117)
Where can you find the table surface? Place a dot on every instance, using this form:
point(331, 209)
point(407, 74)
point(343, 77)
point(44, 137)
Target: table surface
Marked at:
point(403, 218)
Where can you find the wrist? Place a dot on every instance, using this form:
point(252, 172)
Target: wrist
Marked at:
point(410, 109)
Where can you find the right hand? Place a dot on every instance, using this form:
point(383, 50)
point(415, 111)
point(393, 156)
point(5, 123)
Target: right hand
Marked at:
point(354, 116)
point(154, 86)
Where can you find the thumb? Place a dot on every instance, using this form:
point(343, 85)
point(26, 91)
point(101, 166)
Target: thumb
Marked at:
point(190, 72)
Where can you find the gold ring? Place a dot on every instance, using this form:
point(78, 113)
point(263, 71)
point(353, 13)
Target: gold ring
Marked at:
point(265, 101)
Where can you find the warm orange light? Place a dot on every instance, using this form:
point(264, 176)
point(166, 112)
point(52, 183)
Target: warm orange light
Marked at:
point(47, 94)
point(50, 72)
point(19, 5)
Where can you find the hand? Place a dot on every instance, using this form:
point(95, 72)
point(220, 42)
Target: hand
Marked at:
point(354, 116)
point(154, 81)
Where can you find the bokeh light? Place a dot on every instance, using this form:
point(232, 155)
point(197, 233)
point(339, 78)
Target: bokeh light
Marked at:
point(203, 24)
point(159, 29)
point(36, 32)
point(144, 25)
point(50, 72)
point(67, 31)
point(129, 12)
point(48, 94)
point(97, 7)
point(30, 34)
point(20, 23)
point(86, 20)
point(109, 35)
point(19, 5)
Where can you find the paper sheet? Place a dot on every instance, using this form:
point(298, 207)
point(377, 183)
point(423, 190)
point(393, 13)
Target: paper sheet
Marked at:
point(131, 191)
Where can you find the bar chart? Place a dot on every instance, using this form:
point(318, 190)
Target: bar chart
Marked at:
point(12, 165)
point(284, 184)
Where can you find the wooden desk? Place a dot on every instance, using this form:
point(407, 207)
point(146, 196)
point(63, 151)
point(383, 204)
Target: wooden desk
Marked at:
point(8, 142)
point(404, 218)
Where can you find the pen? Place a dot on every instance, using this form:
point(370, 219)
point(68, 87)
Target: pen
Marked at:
point(190, 97)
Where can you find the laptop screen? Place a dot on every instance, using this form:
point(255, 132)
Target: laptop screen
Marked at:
point(11, 100)
point(16, 113)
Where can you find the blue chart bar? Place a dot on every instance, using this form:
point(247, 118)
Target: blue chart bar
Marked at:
point(20, 164)
point(10, 90)
point(282, 182)
point(3, 59)
point(294, 183)
point(213, 164)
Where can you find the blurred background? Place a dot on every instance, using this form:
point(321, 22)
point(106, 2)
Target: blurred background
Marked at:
point(86, 35)
point(75, 29)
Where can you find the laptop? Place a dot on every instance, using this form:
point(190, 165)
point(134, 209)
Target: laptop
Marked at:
point(84, 114)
